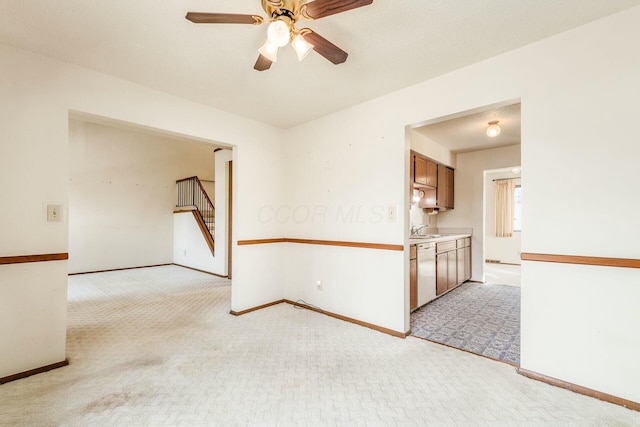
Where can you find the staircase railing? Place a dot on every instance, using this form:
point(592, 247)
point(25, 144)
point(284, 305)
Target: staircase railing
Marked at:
point(191, 193)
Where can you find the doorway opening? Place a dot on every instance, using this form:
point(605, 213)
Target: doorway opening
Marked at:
point(479, 315)
point(129, 244)
point(502, 237)
point(126, 197)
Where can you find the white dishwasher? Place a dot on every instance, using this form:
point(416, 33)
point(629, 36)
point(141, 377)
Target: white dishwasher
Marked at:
point(426, 273)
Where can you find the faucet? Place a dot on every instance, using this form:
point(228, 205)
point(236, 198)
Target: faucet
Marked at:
point(415, 230)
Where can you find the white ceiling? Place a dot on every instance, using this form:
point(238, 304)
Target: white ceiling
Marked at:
point(468, 133)
point(392, 44)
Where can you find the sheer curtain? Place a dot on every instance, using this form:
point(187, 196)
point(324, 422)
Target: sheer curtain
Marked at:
point(504, 207)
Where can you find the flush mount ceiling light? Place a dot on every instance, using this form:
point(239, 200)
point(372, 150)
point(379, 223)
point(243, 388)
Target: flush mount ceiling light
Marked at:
point(493, 130)
point(283, 15)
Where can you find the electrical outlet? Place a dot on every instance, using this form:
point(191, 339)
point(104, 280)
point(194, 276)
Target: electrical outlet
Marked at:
point(185, 252)
point(54, 213)
point(319, 285)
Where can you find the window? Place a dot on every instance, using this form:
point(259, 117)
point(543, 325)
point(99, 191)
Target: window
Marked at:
point(517, 208)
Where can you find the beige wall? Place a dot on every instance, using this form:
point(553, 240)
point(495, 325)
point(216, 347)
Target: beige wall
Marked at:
point(575, 319)
point(469, 197)
point(38, 96)
point(431, 149)
point(571, 318)
point(189, 247)
point(503, 249)
point(122, 193)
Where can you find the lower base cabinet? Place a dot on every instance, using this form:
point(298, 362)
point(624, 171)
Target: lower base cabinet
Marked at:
point(467, 263)
point(452, 270)
point(442, 272)
point(413, 284)
point(453, 264)
point(413, 279)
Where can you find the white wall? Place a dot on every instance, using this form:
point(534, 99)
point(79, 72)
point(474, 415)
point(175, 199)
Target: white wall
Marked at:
point(503, 249)
point(190, 248)
point(469, 197)
point(122, 194)
point(419, 216)
point(222, 160)
point(343, 172)
point(431, 149)
point(360, 156)
point(38, 95)
point(32, 323)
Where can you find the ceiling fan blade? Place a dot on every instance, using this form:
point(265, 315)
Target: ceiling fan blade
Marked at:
point(262, 63)
point(320, 8)
point(324, 47)
point(223, 18)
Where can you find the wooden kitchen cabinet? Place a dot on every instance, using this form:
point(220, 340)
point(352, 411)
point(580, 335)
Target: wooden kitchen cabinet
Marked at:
point(432, 174)
point(445, 187)
point(452, 269)
point(442, 261)
point(460, 267)
point(453, 264)
point(464, 260)
point(467, 263)
point(434, 181)
point(412, 169)
point(446, 265)
point(413, 278)
point(427, 197)
point(450, 186)
point(419, 170)
point(425, 171)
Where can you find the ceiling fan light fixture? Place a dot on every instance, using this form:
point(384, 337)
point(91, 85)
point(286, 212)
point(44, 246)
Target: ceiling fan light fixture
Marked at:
point(493, 130)
point(301, 46)
point(278, 33)
point(282, 16)
point(269, 51)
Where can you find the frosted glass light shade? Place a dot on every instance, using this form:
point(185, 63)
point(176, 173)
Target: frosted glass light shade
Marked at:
point(269, 51)
point(278, 33)
point(493, 130)
point(301, 46)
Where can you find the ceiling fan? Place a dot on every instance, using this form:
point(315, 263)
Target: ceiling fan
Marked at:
point(283, 15)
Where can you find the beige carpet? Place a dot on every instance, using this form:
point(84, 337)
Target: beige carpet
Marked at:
point(502, 274)
point(158, 347)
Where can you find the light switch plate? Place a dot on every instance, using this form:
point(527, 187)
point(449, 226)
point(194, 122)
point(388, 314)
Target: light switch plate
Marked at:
point(392, 213)
point(54, 212)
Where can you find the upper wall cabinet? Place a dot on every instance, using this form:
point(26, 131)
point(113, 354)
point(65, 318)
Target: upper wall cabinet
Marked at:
point(425, 172)
point(445, 187)
point(435, 182)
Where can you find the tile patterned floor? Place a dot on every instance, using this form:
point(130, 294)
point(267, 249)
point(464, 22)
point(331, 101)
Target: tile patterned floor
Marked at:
point(480, 318)
point(158, 347)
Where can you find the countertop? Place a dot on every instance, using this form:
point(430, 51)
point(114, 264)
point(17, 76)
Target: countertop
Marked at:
point(442, 238)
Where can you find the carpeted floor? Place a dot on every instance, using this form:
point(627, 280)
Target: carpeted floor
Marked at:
point(158, 347)
point(480, 318)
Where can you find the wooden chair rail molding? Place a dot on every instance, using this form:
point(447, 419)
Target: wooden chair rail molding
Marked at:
point(383, 246)
point(583, 260)
point(21, 259)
